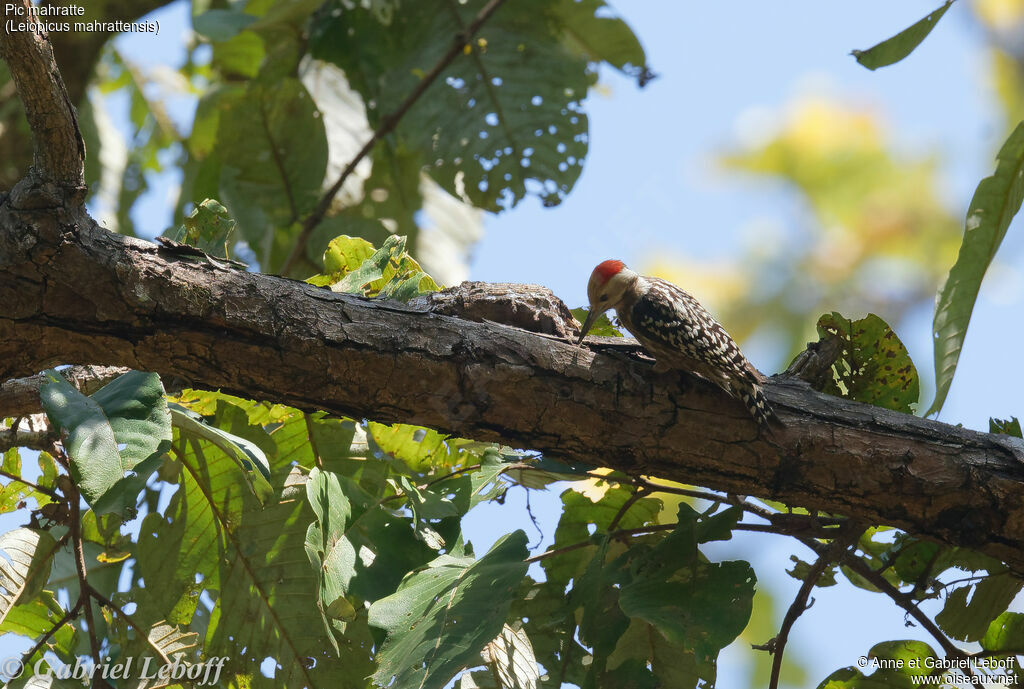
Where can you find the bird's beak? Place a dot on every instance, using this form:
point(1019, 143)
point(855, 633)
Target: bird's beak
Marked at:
point(592, 316)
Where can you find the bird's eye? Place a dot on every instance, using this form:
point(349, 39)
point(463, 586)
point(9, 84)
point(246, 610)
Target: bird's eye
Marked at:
point(604, 297)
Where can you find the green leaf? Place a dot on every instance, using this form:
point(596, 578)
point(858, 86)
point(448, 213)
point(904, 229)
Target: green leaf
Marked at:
point(13, 495)
point(443, 616)
point(240, 56)
point(895, 665)
point(915, 558)
point(388, 273)
point(591, 30)
point(603, 621)
point(116, 438)
point(24, 571)
point(996, 201)
point(273, 152)
point(642, 646)
point(332, 556)
point(902, 44)
point(422, 448)
point(1009, 426)
point(909, 655)
point(209, 228)
point(703, 606)
point(802, 569)
point(494, 128)
point(222, 25)
point(245, 454)
point(969, 620)
point(874, 366)
point(602, 326)
point(1005, 633)
point(34, 618)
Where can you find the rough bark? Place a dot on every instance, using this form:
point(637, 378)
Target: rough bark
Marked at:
point(59, 151)
point(76, 54)
point(71, 292)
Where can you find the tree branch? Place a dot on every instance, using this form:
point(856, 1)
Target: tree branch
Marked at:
point(20, 397)
point(387, 125)
point(59, 148)
point(828, 555)
point(78, 294)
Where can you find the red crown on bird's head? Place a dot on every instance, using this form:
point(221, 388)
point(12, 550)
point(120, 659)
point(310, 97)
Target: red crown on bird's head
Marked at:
point(606, 270)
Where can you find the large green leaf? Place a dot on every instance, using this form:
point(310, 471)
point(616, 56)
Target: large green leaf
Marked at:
point(874, 367)
point(996, 201)
point(970, 609)
point(26, 567)
point(252, 559)
point(251, 460)
point(38, 616)
point(116, 438)
point(493, 128)
point(443, 616)
point(894, 665)
point(273, 154)
point(902, 44)
point(699, 605)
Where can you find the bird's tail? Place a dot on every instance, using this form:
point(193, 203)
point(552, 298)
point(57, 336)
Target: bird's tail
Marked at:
point(759, 406)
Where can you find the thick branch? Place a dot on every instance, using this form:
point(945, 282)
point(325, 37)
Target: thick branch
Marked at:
point(20, 397)
point(59, 148)
point(77, 294)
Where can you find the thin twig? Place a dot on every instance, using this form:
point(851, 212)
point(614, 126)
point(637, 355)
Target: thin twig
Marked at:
point(83, 582)
point(387, 125)
point(34, 486)
point(637, 495)
point(904, 601)
point(73, 612)
point(826, 558)
point(115, 608)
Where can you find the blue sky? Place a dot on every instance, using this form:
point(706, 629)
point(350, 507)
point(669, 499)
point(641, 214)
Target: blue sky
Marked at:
point(648, 190)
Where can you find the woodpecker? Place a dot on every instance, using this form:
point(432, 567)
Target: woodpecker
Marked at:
point(675, 329)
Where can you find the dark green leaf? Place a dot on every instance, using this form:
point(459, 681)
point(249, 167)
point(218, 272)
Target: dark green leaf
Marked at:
point(902, 44)
point(996, 201)
point(273, 152)
point(590, 30)
point(442, 616)
point(989, 598)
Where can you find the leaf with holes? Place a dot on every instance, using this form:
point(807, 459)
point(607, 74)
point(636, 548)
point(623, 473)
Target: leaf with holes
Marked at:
point(494, 128)
point(874, 366)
